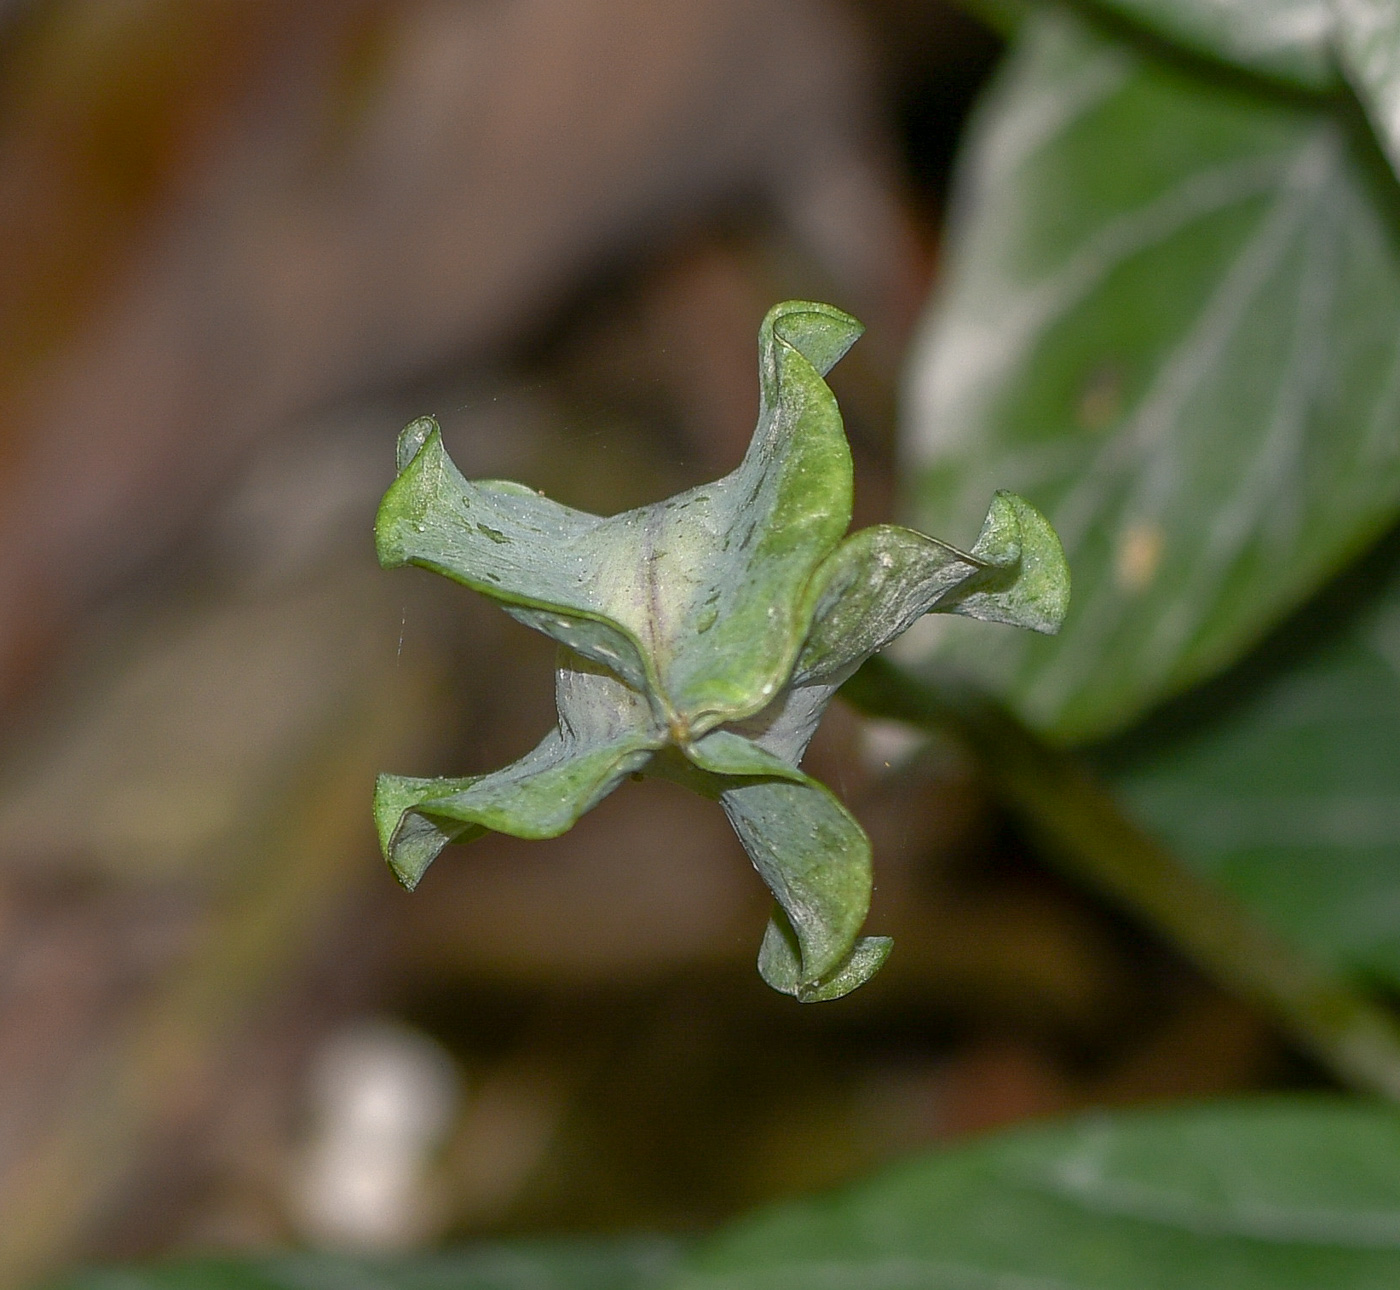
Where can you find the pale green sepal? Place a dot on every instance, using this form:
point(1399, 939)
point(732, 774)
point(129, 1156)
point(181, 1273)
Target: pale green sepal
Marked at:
point(869, 591)
point(544, 793)
point(592, 638)
point(786, 727)
point(539, 796)
point(412, 438)
point(505, 541)
point(410, 841)
point(809, 850)
point(822, 334)
point(722, 752)
point(744, 548)
point(780, 964)
point(873, 587)
point(1027, 583)
point(815, 859)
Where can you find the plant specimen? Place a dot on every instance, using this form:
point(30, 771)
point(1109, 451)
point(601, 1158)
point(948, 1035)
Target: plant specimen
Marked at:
point(702, 637)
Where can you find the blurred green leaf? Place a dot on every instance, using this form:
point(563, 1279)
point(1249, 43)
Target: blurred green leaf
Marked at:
point(1368, 48)
point(1275, 1195)
point(1287, 791)
point(638, 1264)
point(1280, 1194)
point(1287, 40)
point(1172, 320)
point(1304, 43)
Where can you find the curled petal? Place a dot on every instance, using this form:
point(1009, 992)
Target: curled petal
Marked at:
point(540, 796)
point(780, 964)
point(880, 580)
point(529, 554)
point(805, 845)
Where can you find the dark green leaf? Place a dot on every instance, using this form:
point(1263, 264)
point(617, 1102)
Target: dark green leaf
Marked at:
point(1288, 793)
point(1275, 1195)
point(1301, 42)
point(1172, 321)
point(1287, 40)
point(1368, 47)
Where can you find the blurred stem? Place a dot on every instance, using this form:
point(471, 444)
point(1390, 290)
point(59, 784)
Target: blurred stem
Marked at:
point(312, 857)
point(1088, 837)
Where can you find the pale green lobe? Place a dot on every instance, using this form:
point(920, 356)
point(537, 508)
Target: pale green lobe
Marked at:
point(409, 838)
point(814, 858)
point(695, 600)
point(780, 964)
point(1171, 318)
point(805, 845)
point(725, 752)
point(540, 796)
point(505, 541)
point(873, 587)
point(1025, 580)
point(712, 578)
point(682, 623)
point(870, 590)
point(604, 734)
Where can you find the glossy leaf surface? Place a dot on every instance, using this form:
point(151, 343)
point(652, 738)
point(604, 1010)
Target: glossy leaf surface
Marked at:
point(1265, 1196)
point(1171, 320)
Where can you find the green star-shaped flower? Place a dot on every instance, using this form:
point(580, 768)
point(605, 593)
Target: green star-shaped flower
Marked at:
point(702, 637)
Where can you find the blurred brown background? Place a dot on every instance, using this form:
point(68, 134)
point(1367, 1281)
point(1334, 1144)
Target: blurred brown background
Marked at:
point(242, 243)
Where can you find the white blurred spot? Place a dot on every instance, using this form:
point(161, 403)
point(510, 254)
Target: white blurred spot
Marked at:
point(383, 1098)
point(886, 745)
